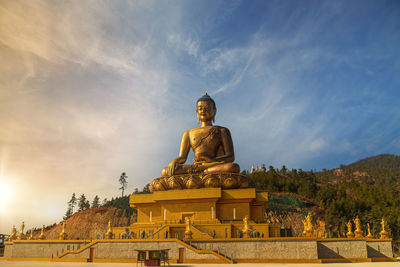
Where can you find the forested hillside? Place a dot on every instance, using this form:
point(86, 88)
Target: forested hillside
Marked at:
point(384, 161)
point(333, 196)
point(370, 192)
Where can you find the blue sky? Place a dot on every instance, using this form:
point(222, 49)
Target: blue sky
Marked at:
point(89, 89)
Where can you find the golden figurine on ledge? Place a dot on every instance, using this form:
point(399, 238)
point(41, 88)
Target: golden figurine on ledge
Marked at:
point(246, 231)
point(63, 235)
point(13, 235)
point(213, 164)
point(349, 233)
point(308, 227)
point(41, 236)
point(109, 233)
point(188, 231)
point(358, 233)
point(384, 234)
point(21, 232)
point(369, 231)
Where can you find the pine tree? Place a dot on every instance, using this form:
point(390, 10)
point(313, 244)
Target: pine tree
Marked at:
point(68, 213)
point(96, 202)
point(123, 182)
point(82, 202)
point(146, 189)
point(72, 202)
point(87, 205)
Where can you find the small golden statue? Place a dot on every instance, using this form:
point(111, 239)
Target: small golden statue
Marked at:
point(109, 234)
point(245, 230)
point(41, 236)
point(188, 231)
point(369, 232)
point(13, 235)
point(31, 235)
point(63, 235)
point(383, 233)
point(349, 233)
point(21, 232)
point(358, 232)
point(308, 227)
point(320, 229)
point(213, 164)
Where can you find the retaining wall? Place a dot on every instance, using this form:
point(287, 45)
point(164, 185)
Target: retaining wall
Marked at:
point(241, 250)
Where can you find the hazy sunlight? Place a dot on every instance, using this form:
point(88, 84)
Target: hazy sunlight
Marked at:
point(6, 194)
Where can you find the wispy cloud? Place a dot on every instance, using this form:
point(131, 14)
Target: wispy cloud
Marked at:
point(189, 44)
point(91, 89)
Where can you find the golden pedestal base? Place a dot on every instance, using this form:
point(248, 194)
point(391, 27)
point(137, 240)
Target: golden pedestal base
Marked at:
point(213, 213)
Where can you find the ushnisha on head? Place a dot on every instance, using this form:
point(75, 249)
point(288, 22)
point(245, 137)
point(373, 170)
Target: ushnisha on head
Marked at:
point(205, 109)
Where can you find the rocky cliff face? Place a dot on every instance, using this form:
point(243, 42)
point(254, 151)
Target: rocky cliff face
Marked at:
point(88, 224)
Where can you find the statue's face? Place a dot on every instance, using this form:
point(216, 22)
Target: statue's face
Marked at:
point(205, 110)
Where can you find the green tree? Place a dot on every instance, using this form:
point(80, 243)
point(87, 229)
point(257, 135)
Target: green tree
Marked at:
point(82, 203)
point(123, 182)
point(146, 189)
point(68, 213)
point(72, 202)
point(96, 202)
point(283, 170)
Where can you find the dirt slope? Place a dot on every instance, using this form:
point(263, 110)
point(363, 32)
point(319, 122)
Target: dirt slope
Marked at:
point(88, 224)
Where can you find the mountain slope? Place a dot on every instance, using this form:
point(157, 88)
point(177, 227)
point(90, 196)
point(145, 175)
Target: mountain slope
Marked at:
point(88, 224)
point(383, 161)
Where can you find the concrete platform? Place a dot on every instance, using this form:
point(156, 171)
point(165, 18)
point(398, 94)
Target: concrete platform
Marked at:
point(76, 264)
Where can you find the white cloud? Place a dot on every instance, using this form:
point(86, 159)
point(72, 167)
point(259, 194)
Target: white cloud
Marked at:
point(187, 44)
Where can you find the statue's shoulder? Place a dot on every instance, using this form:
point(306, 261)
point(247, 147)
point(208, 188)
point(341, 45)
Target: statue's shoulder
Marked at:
point(186, 133)
point(221, 129)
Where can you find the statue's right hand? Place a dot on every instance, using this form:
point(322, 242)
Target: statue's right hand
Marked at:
point(172, 167)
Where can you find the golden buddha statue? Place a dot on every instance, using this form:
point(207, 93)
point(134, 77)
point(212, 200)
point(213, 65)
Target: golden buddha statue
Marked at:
point(13, 235)
point(21, 232)
point(369, 231)
point(349, 233)
point(188, 231)
point(384, 234)
point(308, 227)
point(358, 233)
point(109, 233)
point(245, 230)
point(63, 235)
point(41, 236)
point(213, 164)
point(31, 235)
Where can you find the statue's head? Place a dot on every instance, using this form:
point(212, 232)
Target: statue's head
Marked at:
point(205, 108)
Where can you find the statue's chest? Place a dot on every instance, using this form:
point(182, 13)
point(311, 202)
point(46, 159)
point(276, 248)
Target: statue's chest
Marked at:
point(205, 137)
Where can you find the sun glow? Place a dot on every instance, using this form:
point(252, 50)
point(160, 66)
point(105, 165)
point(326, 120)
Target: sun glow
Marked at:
point(6, 194)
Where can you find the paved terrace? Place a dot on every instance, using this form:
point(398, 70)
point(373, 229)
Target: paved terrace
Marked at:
point(69, 264)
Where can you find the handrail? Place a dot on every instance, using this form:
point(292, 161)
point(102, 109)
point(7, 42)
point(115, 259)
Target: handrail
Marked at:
point(222, 257)
point(161, 228)
point(76, 251)
point(206, 235)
